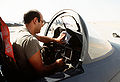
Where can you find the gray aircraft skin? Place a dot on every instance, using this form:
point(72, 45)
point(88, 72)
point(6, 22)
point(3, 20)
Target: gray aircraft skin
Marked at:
point(87, 57)
point(104, 70)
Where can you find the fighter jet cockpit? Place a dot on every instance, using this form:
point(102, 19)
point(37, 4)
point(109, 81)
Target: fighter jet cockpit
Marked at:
point(74, 48)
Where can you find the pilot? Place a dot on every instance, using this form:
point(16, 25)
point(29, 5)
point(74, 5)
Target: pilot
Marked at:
point(27, 48)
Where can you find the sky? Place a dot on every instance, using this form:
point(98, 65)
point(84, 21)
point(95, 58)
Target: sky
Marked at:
point(90, 10)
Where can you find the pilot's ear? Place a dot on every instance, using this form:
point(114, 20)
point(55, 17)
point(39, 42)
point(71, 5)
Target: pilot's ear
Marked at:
point(35, 20)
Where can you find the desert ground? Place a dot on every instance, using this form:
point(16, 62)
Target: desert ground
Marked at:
point(106, 28)
point(103, 28)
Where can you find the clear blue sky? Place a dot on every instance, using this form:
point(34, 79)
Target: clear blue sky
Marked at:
point(90, 10)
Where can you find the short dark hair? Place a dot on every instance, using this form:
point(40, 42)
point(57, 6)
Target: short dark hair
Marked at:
point(30, 15)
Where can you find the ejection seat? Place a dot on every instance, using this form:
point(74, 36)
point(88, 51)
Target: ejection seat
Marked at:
point(9, 68)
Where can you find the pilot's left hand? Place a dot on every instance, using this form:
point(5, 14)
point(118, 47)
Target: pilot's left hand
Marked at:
point(60, 62)
point(61, 38)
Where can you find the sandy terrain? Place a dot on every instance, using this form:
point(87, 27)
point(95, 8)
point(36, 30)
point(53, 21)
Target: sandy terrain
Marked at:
point(106, 29)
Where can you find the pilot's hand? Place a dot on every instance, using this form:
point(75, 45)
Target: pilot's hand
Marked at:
point(61, 38)
point(60, 62)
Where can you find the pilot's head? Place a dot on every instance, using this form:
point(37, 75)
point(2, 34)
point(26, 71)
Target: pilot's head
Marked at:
point(33, 20)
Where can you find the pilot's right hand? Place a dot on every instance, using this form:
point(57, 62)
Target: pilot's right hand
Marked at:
point(61, 38)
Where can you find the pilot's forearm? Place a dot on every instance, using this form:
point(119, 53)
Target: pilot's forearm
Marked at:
point(45, 39)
